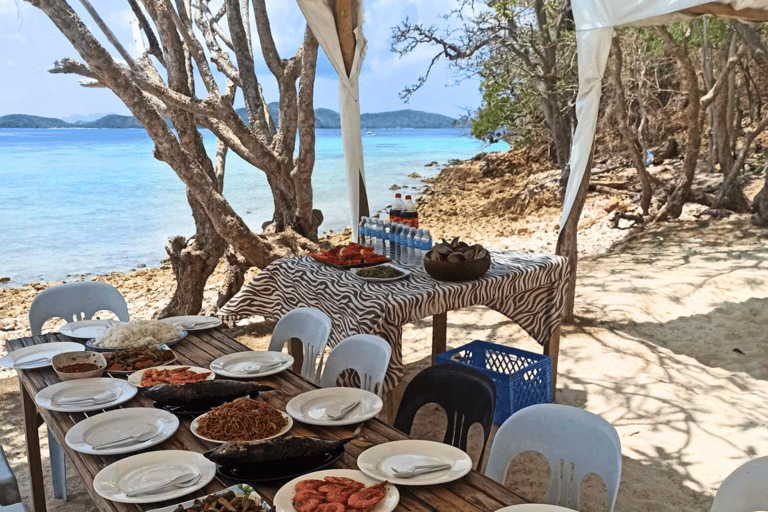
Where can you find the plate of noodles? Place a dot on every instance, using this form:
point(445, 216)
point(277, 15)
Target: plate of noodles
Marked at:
point(243, 419)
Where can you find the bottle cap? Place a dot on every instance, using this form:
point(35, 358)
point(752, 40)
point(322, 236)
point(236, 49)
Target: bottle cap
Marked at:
point(407, 197)
point(399, 195)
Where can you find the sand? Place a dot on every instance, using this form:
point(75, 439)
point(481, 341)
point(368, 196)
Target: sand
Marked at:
point(669, 345)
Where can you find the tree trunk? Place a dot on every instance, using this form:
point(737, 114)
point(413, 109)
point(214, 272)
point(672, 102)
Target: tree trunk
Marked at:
point(674, 206)
point(237, 266)
point(633, 145)
point(760, 203)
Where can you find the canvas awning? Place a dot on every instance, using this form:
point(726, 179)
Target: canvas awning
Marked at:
point(595, 20)
point(337, 25)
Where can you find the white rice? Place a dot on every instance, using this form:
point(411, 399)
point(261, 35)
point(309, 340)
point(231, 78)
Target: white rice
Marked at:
point(138, 333)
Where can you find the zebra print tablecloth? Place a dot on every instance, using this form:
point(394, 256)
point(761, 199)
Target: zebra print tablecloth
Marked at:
point(526, 287)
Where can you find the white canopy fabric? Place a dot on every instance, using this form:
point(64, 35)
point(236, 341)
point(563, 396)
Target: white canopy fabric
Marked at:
point(595, 20)
point(320, 18)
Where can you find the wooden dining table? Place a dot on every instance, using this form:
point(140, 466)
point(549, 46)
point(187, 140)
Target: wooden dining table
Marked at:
point(472, 493)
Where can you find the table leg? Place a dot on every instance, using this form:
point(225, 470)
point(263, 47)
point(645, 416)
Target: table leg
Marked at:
point(439, 326)
point(34, 460)
point(552, 349)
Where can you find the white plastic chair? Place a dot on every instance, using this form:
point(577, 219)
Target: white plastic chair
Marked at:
point(367, 354)
point(75, 302)
point(744, 490)
point(574, 442)
point(72, 302)
point(312, 327)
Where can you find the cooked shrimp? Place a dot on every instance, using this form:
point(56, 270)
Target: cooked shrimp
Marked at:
point(310, 505)
point(309, 484)
point(331, 507)
point(340, 494)
point(367, 498)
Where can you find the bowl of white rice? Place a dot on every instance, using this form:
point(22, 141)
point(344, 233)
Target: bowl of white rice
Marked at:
point(137, 333)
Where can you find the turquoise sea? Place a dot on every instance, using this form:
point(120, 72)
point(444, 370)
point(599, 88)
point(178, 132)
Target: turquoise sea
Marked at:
point(90, 201)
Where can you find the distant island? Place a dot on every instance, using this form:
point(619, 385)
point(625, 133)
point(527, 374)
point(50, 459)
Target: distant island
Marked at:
point(324, 118)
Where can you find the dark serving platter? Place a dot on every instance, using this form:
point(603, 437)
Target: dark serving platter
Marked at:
point(280, 470)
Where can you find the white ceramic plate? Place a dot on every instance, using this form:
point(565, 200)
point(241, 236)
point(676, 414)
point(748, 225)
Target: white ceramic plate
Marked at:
point(283, 501)
point(136, 377)
point(117, 424)
point(80, 388)
point(150, 468)
point(193, 323)
point(286, 428)
point(535, 507)
point(378, 461)
point(17, 358)
point(87, 329)
point(237, 489)
point(311, 407)
point(234, 365)
point(378, 279)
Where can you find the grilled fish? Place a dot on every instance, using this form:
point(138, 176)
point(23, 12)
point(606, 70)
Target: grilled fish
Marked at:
point(239, 453)
point(203, 392)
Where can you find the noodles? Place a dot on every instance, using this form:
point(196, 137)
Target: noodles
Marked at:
point(243, 419)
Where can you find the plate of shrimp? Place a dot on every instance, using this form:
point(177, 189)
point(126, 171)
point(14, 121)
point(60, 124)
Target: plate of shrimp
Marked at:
point(336, 490)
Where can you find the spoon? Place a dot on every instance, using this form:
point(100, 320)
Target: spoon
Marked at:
point(139, 438)
point(184, 480)
point(260, 368)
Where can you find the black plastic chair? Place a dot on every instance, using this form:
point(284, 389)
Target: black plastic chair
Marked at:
point(467, 395)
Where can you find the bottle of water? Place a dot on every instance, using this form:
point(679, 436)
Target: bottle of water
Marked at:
point(415, 241)
point(386, 232)
point(377, 234)
point(361, 231)
point(411, 246)
point(394, 239)
point(426, 244)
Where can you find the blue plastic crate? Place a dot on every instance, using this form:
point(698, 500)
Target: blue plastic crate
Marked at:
point(522, 378)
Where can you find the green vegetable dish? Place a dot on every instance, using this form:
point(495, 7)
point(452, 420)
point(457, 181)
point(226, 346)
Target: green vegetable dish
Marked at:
point(379, 272)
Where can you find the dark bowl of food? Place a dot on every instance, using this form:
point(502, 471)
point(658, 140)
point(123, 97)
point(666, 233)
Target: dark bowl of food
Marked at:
point(457, 261)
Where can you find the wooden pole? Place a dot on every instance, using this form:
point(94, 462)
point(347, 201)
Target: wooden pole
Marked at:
point(345, 15)
point(566, 242)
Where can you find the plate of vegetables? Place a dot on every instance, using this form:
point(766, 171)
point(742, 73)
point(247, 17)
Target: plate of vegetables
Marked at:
point(380, 273)
point(129, 360)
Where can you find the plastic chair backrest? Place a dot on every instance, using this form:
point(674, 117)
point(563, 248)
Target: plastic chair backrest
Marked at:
point(312, 327)
point(744, 490)
point(75, 302)
point(367, 354)
point(467, 395)
point(575, 442)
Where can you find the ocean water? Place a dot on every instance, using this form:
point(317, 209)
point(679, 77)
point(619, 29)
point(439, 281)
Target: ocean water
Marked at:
point(89, 201)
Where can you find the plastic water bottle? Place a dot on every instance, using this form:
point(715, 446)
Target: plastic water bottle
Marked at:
point(378, 236)
point(648, 158)
point(395, 246)
point(361, 231)
point(411, 246)
point(426, 241)
point(386, 234)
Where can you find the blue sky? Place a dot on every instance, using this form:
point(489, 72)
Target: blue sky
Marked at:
point(30, 43)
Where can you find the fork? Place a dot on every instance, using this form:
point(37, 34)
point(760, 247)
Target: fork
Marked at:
point(343, 411)
point(420, 470)
point(262, 368)
point(181, 481)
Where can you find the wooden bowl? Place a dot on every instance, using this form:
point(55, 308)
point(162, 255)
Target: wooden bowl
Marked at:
point(457, 270)
point(68, 358)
